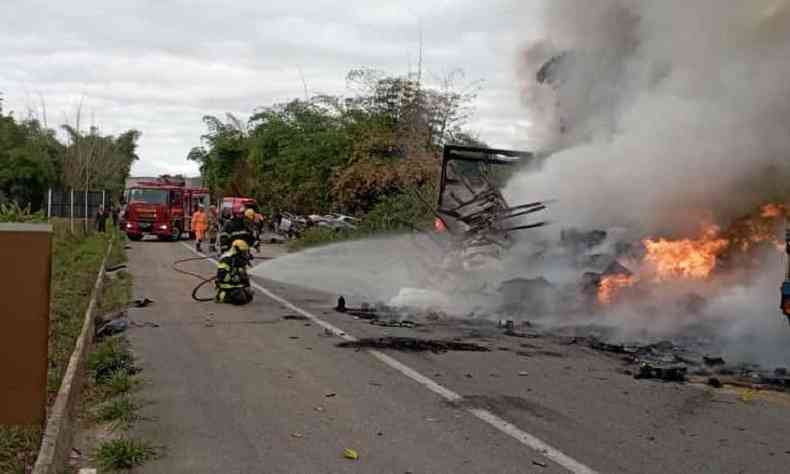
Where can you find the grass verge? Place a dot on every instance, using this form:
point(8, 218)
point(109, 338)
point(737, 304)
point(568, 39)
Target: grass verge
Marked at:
point(124, 453)
point(75, 264)
point(121, 413)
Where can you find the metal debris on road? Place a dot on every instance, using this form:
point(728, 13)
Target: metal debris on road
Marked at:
point(142, 303)
point(540, 463)
point(411, 344)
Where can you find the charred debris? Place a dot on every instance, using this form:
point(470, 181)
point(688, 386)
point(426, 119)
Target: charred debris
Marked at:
point(471, 208)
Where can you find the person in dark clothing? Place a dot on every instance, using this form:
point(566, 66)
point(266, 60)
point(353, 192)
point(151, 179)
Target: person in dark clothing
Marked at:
point(237, 227)
point(101, 220)
point(115, 213)
point(233, 283)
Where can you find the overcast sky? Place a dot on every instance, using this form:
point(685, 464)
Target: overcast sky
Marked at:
point(159, 66)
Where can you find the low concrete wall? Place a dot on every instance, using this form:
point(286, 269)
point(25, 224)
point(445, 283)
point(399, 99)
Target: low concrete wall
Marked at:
point(58, 435)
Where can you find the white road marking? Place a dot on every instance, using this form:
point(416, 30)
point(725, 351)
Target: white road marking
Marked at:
point(501, 424)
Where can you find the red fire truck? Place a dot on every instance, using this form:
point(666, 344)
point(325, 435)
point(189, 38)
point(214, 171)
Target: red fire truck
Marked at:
point(163, 208)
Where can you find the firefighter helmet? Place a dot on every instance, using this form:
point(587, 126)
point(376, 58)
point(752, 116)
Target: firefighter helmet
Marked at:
point(240, 245)
point(249, 214)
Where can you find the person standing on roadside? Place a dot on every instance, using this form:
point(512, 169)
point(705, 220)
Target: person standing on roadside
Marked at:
point(101, 220)
point(115, 212)
point(199, 226)
point(213, 228)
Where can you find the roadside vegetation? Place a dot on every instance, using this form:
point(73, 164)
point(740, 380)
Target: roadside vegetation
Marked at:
point(366, 155)
point(75, 264)
point(111, 407)
point(33, 158)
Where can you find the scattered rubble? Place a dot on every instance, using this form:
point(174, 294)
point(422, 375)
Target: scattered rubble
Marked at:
point(411, 344)
point(111, 328)
point(669, 361)
point(295, 317)
point(142, 303)
point(676, 373)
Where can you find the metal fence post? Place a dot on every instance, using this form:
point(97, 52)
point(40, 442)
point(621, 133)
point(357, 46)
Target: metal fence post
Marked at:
point(49, 204)
point(71, 218)
point(86, 211)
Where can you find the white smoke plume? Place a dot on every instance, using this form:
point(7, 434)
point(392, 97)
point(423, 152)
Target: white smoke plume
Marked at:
point(671, 111)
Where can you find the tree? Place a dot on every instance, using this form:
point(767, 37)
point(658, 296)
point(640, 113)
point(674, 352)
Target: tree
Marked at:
point(336, 153)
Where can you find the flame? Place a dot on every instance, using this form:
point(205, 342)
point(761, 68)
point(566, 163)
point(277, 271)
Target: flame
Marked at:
point(772, 211)
point(696, 258)
point(611, 285)
point(686, 258)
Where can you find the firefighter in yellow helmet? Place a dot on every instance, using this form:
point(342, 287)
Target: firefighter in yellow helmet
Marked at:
point(238, 227)
point(233, 283)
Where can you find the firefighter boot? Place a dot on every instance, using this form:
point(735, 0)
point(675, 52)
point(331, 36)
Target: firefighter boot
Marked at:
point(197, 246)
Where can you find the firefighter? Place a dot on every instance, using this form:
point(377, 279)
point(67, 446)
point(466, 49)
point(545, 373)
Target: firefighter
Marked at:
point(239, 226)
point(213, 228)
point(199, 226)
point(233, 283)
point(258, 221)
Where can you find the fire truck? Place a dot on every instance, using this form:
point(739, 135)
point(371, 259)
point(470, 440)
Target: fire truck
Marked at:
point(162, 208)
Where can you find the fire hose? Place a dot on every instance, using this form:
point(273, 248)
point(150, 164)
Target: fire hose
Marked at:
point(203, 280)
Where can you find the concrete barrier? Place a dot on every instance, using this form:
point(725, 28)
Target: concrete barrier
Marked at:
point(59, 432)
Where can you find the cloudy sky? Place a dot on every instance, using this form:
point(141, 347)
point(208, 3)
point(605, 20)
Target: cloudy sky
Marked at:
point(159, 66)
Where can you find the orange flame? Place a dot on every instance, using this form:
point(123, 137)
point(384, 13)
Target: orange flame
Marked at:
point(687, 258)
point(696, 258)
point(611, 285)
point(772, 211)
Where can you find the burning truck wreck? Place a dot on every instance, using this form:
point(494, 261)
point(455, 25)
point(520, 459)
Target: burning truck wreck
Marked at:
point(667, 186)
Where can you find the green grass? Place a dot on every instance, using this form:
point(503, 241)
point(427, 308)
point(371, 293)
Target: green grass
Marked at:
point(124, 453)
point(76, 262)
point(18, 448)
point(116, 294)
point(111, 358)
point(122, 412)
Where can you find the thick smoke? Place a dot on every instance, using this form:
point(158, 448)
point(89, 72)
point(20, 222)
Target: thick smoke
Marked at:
point(663, 113)
point(657, 116)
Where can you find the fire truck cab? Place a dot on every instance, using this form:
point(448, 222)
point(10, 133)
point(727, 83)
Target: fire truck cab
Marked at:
point(161, 208)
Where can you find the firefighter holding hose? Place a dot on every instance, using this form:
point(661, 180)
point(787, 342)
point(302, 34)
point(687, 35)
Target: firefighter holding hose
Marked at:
point(233, 283)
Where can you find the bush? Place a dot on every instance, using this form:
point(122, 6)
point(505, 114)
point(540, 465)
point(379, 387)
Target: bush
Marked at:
point(124, 453)
point(11, 212)
point(406, 211)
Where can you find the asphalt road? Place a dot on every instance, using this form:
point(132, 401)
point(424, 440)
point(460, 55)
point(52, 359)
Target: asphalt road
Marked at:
point(251, 390)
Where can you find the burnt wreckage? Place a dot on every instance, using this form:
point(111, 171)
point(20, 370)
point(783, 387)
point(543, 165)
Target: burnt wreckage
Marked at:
point(471, 207)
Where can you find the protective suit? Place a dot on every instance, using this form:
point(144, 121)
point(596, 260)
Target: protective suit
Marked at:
point(233, 283)
point(199, 227)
